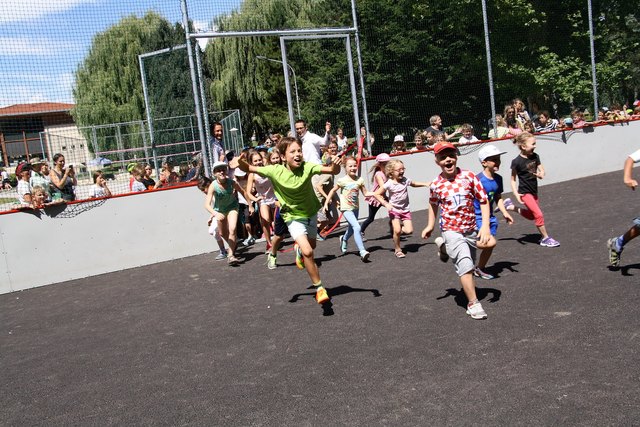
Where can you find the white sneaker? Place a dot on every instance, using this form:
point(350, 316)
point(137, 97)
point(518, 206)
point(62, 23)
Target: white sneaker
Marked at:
point(476, 311)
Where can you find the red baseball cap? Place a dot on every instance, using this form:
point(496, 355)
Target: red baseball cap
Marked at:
point(441, 146)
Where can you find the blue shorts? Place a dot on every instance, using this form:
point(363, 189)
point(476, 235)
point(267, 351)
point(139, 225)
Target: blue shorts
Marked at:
point(493, 224)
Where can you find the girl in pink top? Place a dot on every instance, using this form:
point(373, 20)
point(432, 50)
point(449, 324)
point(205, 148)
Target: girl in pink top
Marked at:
point(398, 204)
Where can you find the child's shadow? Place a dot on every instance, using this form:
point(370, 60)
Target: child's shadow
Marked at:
point(460, 298)
point(525, 238)
point(624, 269)
point(327, 307)
point(498, 267)
point(414, 247)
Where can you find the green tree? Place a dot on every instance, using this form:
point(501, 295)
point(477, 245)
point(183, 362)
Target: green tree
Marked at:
point(108, 85)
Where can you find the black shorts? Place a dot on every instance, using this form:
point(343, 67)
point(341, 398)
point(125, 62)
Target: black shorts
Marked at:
point(279, 226)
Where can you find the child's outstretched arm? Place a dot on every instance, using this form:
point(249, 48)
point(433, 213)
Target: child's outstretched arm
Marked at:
point(329, 197)
point(484, 234)
point(208, 202)
point(378, 195)
point(431, 220)
point(539, 171)
point(246, 167)
point(420, 184)
point(505, 213)
point(334, 167)
point(514, 186)
point(628, 174)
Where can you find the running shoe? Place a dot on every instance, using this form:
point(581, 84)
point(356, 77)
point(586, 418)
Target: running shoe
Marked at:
point(299, 258)
point(321, 295)
point(343, 245)
point(549, 242)
point(272, 261)
point(442, 249)
point(476, 311)
point(508, 205)
point(364, 256)
point(319, 237)
point(221, 256)
point(615, 252)
point(478, 272)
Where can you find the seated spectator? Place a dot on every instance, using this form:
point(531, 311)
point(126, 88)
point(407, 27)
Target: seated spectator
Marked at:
point(467, 134)
point(545, 123)
point(435, 124)
point(23, 172)
point(6, 182)
point(578, 119)
point(138, 172)
point(522, 115)
point(40, 176)
point(501, 130)
point(399, 145)
point(63, 180)
point(529, 126)
point(514, 126)
point(341, 140)
point(183, 172)
point(148, 182)
point(167, 176)
point(418, 140)
point(99, 188)
point(38, 197)
point(431, 137)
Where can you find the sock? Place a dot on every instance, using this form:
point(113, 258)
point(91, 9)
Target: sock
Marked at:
point(317, 285)
point(620, 242)
point(472, 302)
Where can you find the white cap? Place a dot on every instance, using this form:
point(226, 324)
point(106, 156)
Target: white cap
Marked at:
point(489, 151)
point(239, 172)
point(220, 165)
point(398, 138)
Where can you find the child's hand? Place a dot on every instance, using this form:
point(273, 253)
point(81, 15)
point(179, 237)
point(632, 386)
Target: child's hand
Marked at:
point(632, 184)
point(336, 160)
point(518, 197)
point(484, 234)
point(426, 233)
point(508, 218)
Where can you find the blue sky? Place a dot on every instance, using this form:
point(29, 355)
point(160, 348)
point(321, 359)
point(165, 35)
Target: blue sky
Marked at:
point(43, 41)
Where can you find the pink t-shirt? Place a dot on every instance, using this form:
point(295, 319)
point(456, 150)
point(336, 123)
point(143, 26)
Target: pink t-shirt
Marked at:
point(398, 194)
point(371, 199)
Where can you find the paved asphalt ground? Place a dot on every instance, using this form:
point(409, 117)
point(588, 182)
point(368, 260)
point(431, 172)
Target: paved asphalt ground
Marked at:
point(196, 342)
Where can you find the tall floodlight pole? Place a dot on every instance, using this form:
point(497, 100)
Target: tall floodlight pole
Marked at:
point(594, 79)
point(492, 98)
point(361, 73)
point(194, 83)
point(293, 72)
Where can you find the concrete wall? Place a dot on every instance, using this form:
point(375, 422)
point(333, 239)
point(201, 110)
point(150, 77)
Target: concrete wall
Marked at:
point(82, 240)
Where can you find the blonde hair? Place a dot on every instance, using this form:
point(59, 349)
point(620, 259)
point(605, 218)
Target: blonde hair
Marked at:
point(390, 166)
point(522, 138)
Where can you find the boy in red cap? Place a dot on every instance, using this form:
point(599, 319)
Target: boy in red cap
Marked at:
point(455, 190)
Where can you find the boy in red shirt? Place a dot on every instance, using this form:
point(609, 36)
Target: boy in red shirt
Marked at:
point(454, 190)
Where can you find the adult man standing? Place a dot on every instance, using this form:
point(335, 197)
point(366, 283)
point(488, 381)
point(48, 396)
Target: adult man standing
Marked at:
point(311, 143)
point(436, 126)
point(216, 147)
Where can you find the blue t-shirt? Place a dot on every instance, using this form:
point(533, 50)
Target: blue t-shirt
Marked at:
point(493, 187)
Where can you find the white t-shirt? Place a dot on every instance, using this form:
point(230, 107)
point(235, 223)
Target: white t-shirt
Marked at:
point(635, 156)
point(311, 144)
point(464, 140)
point(97, 191)
point(23, 189)
point(137, 186)
point(342, 142)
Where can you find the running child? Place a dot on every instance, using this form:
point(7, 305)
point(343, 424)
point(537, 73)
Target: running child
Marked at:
point(293, 188)
point(454, 191)
point(492, 184)
point(279, 226)
point(350, 185)
point(222, 203)
point(528, 170)
point(398, 204)
point(265, 197)
point(378, 179)
point(616, 244)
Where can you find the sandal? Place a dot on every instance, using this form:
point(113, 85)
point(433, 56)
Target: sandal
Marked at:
point(400, 254)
